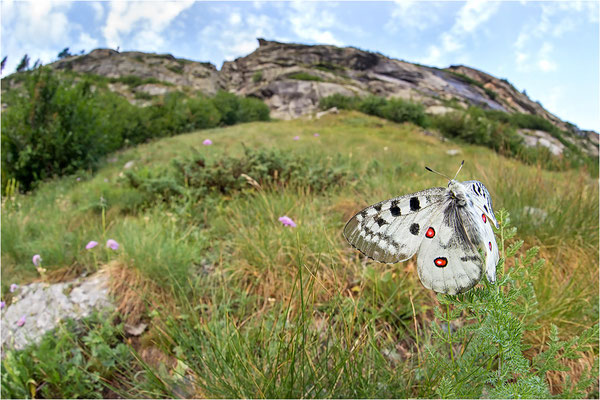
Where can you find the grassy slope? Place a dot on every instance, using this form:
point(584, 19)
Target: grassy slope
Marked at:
point(254, 263)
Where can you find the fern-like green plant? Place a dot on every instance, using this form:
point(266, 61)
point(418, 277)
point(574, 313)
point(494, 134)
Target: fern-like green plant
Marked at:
point(481, 335)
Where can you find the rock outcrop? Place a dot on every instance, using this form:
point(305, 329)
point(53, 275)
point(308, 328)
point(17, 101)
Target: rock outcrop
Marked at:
point(180, 73)
point(39, 307)
point(292, 78)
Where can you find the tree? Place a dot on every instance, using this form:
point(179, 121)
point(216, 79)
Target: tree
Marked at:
point(64, 54)
point(37, 64)
point(3, 63)
point(24, 64)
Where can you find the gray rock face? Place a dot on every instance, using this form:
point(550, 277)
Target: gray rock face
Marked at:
point(292, 78)
point(44, 305)
point(534, 138)
point(163, 67)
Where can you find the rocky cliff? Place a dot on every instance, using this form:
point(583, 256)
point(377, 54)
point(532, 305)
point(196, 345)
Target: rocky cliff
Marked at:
point(292, 78)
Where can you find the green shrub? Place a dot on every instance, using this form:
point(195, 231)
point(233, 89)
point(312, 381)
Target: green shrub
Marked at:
point(227, 104)
point(305, 76)
point(399, 110)
point(234, 109)
point(196, 177)
point(56, 128)
point(340, 101)
point(252, 109)
point(257, 76)
point(372, 105)
point(69, 363)
point(201, 114)
point(483, 357)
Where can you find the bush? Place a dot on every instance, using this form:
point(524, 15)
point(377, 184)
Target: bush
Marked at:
point(252, 109)
point(257, 76)
point(340, 101)
point(58, 126)
point(269, 168)
point(399, 110)
point(69, 363)
point(305, 76)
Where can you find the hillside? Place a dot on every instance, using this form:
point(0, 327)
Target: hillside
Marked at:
point(292, 78)
point(227, 301)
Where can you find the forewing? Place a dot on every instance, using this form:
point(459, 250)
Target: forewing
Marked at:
point(481, 198)
point(448, 261)
point(478, 193)
point(392, 230)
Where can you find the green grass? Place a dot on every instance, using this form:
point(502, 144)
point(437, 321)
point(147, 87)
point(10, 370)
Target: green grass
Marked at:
point(257, 309)
point(305, 76)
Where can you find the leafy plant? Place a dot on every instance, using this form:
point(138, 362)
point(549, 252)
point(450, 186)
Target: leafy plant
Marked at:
point(262, 167)
point(72, 362)
point(484, 353)
point(305, 76)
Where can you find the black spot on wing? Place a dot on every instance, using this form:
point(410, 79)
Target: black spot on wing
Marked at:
point(394, 209)
point(377, 207)
point(380, 221)
point(414, 204)
point(414, 229)
point(469, 258)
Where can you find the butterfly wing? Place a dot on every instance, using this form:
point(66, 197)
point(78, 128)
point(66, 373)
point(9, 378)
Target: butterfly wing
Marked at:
point(482, 202)
point(392, 230)
point(448, 260)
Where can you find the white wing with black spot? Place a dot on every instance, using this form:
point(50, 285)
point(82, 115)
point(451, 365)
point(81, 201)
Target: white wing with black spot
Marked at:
point(484, 217)
point(448, 261)
point(392, 230)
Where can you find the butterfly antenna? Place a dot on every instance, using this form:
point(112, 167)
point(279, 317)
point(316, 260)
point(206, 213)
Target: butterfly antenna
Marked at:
point(435, 172)
point(459, 168)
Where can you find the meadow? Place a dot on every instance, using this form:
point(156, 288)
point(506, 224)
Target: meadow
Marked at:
point(241, 305)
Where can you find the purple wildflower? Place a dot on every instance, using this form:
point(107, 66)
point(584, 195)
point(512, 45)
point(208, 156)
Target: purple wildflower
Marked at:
point(37, 259)
point(91, 244)
point(78, 179)
point(21, 321)
point(13, 287)
point(296, 137)
point(207, 142)
point(2, 305)
point(287, 221)
point(316, 135)
point(112, 244)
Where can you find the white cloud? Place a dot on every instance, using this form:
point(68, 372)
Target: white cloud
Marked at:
point(313, 22)
point(554, 21)
point(545, 62)
point(38, 29)
point(412, 15)
point(140, 25)
point(470, 18)
point(234, 38)
point(98, 11)
point(85, 42)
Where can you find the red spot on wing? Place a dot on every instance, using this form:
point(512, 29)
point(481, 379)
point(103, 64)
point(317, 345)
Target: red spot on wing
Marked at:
point(490, 245)
point(484, 218)
point(430, 233)
point(440, 262)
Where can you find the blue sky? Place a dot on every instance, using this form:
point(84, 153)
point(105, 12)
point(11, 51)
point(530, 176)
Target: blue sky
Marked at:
point(549, 49)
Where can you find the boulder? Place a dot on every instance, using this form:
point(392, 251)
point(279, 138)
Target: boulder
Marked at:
point(39, 307)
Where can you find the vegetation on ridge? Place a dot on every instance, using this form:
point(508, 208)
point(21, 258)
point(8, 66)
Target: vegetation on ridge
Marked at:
point(60, 125)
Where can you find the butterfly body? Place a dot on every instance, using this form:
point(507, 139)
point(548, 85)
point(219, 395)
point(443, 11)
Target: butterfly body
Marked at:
point(448, 228)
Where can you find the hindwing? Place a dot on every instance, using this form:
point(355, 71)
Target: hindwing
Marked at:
point(448, 260)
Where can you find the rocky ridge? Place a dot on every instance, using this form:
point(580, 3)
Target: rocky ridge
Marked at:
point(292, 78)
